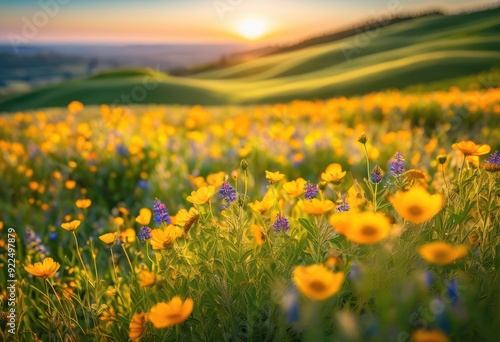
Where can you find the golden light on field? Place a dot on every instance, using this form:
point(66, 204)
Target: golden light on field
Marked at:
point(252, 28)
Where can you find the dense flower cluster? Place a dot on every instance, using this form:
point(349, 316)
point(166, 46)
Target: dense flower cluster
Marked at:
point(348, 233)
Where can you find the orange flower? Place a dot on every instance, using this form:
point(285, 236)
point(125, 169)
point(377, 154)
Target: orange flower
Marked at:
point(429, 336)
point(83, 203)
point(146, 278)
point(137, 325)
point(317, 282)
point(75, 107)
point(469, 148)
point(45, 269)
point(316, 206)
point(340, 222)
point(71, 226)
point(70, 184)
point(368, 228)
point(441, 253)
point(128, 235)
point(416, 205)
point(202, 195)
point(164, 315)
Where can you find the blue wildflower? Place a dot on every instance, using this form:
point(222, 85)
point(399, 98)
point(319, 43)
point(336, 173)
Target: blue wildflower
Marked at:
point(143, 184)
point(160, 212)
point(290, 304)
point(452, 290)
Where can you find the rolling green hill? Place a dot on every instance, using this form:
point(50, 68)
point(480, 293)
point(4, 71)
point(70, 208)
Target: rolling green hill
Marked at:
point(423, 50)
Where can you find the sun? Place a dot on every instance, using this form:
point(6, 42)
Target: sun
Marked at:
point(252, 28)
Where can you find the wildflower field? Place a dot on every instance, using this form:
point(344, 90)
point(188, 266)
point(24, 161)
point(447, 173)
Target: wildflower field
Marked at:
point(371, 218)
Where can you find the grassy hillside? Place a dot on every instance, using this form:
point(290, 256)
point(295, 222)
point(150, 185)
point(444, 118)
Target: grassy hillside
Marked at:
point(429, 49)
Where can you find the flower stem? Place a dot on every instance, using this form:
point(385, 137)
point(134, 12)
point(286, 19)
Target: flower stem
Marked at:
point(246, 185)
point(114, 266)
point(78, 252)
point(128, 259)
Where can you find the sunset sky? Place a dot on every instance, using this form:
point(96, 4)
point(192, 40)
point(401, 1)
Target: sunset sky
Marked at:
point(194, 21)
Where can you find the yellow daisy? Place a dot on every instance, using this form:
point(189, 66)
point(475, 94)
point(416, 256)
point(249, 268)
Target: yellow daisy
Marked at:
point(317, 282)
point(316, 206)
point(368, 228)
point(295, 188)
point(45, 269)
point(71, 226)
point(202, 195)
point(416, 205)
point(274, 177)
point(470, 148)
point(441, 253)
point(333, 174)
point(164, 315)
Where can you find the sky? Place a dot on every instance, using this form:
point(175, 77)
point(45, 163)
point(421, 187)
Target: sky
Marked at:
point(194, 21)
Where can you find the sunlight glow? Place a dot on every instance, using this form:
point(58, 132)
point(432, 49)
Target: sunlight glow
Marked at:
point(252, 28)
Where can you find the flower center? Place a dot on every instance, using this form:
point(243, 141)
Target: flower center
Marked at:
point(174, 316)
point(415, 210)
point(369, 230)
point(317, 286)
point(440, 255)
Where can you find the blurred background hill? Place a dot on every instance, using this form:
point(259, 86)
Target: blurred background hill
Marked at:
point(420, 51)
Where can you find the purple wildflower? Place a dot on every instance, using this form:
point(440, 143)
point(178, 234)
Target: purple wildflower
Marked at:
point(398, 164)
point(377, 175)
point(494, 158)
point(310, 190)
point(160, 212)
point(281, 223)
point(493, 163)
point(34, 243)
point(144, 234)
point(227, 193)
point(344, 206)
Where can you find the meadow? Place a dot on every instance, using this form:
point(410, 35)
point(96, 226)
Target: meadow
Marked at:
point(370, 218)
